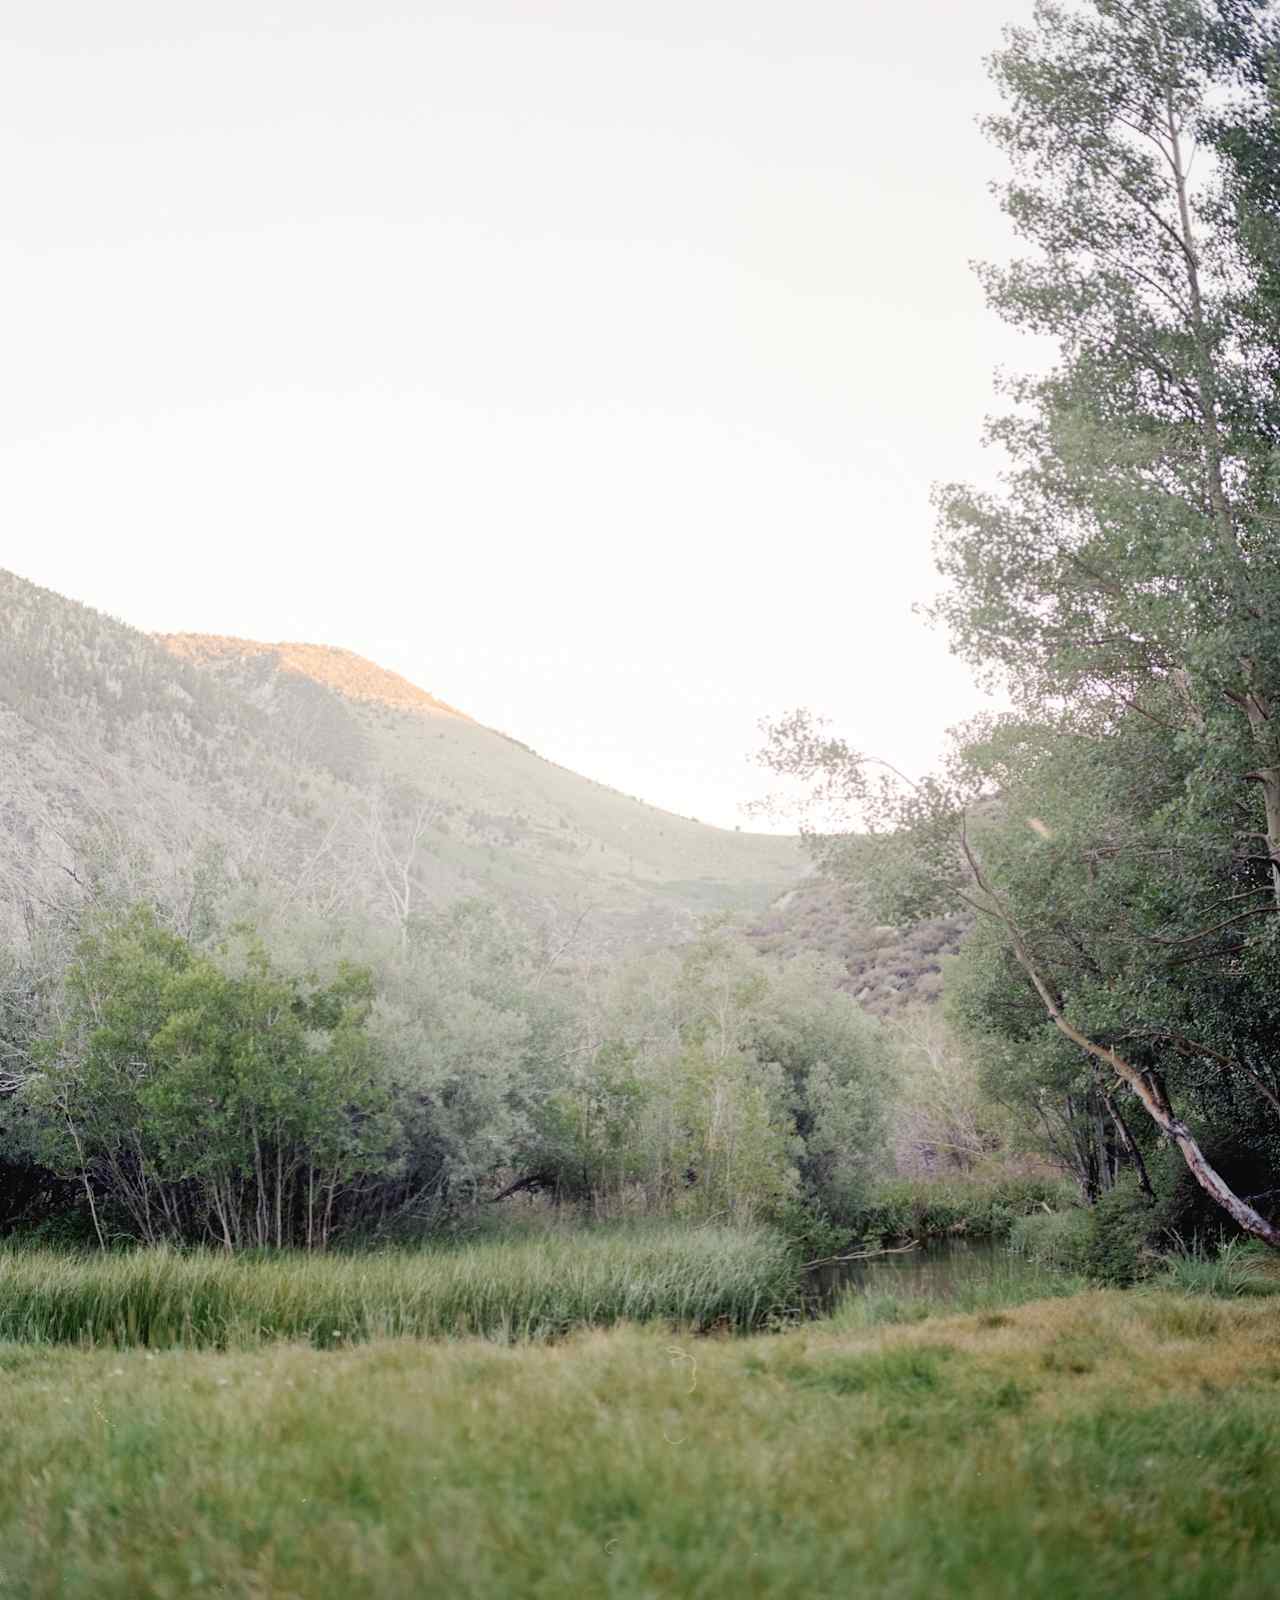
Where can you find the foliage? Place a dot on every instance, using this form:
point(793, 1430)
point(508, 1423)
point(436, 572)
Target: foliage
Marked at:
point(1120, 1248)
point(1119, 832)
point(712, 1083)
point(885, 968)
point(225, 1095)
point(235, 1104)
point(943, 1120)
point(972, 1208)
point(1054, 1239)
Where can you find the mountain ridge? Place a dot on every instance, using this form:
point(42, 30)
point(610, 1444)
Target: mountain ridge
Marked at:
point(320, 663)
point(321, 778)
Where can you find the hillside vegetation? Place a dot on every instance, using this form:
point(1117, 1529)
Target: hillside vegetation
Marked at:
point(886, 969)
point(332, 785)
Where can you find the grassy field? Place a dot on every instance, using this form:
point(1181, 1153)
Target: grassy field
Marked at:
point(1106, 1444)
point(532, 1286)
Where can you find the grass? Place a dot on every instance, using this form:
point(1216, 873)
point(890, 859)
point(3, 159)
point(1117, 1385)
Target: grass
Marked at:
point(1106, 1444)
point(531, 1287)
point(1234, 1269)
point(1054, 1238)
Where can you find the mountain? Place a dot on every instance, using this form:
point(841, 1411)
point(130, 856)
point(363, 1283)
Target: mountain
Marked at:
point(323, 779)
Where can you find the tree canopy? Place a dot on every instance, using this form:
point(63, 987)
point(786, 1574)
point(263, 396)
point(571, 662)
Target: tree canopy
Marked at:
point(1119, 831)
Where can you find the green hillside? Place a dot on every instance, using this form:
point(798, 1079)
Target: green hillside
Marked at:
point(341, 783)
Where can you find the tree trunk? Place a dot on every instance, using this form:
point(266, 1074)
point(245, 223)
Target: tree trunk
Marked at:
point(1129, 1146)
point(1151, 1093)
point(1145, 1085)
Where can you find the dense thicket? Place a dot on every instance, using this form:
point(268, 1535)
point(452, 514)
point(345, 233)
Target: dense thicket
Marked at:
point(165, 1088)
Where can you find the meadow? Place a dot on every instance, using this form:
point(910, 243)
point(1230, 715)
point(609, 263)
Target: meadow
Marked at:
point(1107, 1443)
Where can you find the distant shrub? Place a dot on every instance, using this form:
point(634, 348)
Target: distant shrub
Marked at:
point(1057, 1239)
point(1119, 1249)
point(972, 1208)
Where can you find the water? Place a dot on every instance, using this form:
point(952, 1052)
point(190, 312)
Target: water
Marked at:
point(950, 1276)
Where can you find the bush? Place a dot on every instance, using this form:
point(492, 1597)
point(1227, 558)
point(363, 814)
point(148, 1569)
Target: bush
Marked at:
point(1119, 1250)
point(202, 1103)
point(1057, 1239)
point(1186, 1212)
point(972, 1208)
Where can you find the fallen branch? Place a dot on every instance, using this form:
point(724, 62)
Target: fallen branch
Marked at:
point(534, 1181)
point(862, 1255)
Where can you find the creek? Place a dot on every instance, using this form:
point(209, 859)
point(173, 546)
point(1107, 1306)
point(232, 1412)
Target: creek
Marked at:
point(948, 1273)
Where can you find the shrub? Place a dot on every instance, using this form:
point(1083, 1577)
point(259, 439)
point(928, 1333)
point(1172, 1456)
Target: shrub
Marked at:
point(972, 1208)
point(1057, 1239)
point(1119, 1247)
point(204, 1103)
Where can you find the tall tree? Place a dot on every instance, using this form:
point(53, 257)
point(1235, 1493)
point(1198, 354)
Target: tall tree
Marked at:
point(1128, 574)
point(1135, 544)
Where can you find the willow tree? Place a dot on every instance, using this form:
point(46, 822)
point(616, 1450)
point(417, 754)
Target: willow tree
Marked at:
point(1135, 544)
point(1127, 572)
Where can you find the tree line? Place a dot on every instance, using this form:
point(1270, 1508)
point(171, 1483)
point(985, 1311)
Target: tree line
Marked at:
point(242, 1092)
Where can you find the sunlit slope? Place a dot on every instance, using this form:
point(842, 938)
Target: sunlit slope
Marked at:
point(493, 814)
point(319, 781)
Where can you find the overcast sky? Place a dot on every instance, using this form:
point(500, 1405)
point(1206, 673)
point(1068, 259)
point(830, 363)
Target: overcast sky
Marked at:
point(586, 361)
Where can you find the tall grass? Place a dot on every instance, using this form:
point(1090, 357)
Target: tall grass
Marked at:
point(535, 1287)
point(1112, 1445)
point(1235, 1269)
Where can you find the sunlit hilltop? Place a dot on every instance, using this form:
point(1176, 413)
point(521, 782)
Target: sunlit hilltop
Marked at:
point(349, 674)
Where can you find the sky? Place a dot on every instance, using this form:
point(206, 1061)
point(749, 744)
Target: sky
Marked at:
point(588, 362)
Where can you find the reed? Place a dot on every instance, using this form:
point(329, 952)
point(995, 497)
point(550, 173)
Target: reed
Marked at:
point(527, 1288)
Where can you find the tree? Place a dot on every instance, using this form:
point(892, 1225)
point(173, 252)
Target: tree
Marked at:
point(941, 1119)
point(716, 1082)
point(1124, 585)
point(206, 1100)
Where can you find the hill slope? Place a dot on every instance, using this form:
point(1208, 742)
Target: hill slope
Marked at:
point(310, 769)
point(885, 969)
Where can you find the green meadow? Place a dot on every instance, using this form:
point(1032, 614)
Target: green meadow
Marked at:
point(1104, 1443)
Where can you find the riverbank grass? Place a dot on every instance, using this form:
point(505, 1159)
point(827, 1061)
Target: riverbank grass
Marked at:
point(1105, 1444)
point(982, 1280)
point(532, 1286)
